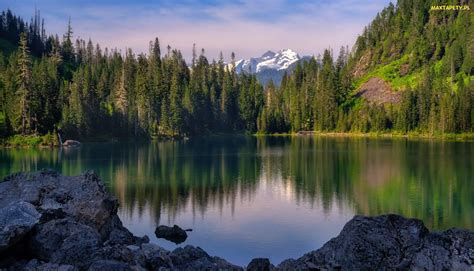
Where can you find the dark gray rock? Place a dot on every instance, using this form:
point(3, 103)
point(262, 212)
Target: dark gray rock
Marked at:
point(55, 267)
point(181, 256)
point(65, 241)
point(225, 265)
point(109, 265)
point(174, 234)
point(390, 242)
point(82, 197)
point(260, 264)
point(36, 265)
point(17, 219)
point(195, 258)
point(155, 257)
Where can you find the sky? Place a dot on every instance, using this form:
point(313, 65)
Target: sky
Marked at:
point(247, 27)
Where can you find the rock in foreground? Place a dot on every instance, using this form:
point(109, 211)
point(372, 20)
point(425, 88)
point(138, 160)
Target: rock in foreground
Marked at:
point(390, 242)
point(17, 219)
point(54, 222)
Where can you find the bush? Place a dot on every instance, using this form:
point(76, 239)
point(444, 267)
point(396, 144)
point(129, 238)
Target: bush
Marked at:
point(49, 139)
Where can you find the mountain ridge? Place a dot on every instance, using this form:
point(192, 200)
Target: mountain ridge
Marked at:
point(270, 66)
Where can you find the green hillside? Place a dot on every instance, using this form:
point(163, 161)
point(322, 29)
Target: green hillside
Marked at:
point(409, 38)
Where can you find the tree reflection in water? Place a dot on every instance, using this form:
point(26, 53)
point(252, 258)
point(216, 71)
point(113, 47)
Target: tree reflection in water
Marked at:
point(273, 179)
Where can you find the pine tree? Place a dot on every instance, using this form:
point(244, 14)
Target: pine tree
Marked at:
point(176, 108)
point(121, 95)
point(143, 95)
point(67, 47)
point(24, 81)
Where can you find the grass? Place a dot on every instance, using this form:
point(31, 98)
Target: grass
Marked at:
point(410, 135)
point(49, 140)
point(391, 74)
point(30, 141)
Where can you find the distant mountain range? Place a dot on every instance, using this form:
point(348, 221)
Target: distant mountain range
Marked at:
point(270, 66)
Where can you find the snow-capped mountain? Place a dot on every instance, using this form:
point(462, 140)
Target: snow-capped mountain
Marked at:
point(270, 66)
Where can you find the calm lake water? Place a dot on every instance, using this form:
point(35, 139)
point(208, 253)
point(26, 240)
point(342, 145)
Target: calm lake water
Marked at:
point(278, 197)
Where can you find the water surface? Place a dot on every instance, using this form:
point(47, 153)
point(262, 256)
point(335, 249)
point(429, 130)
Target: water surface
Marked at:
point(276, 197)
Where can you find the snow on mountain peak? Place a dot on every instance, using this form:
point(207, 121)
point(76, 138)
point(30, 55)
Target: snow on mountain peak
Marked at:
point(270, 63)
point(277, 61)
point(268, 54)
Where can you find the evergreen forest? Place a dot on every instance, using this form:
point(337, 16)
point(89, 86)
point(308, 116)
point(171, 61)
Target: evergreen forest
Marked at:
point(51, 83)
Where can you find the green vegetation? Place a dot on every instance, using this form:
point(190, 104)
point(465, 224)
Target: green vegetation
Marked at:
point(48, 139)
point(83, 91)
point(6, 47)
point(391, 74)
point(426, 55)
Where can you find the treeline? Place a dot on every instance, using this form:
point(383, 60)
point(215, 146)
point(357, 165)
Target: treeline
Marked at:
point(86, 92)
point(321, 98)
point(437, 49)
point(425, 36)
point(48, 83)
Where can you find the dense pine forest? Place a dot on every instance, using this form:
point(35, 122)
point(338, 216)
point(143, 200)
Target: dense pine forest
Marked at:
point(51, 83)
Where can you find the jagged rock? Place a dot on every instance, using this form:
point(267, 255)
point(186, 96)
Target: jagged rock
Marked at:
point(155, 257)
point(390, 241)
point(36, 265)
point(56, 267)
point(16, 220)
point(181, 256)
point(82, 197)
point(65, 241)
point(109, 265)
point(225, 265)
point(174, 234)
point(195, 258)
point(260, 264)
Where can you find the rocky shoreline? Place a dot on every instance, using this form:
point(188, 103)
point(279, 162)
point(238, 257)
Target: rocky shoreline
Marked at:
point(54, 222)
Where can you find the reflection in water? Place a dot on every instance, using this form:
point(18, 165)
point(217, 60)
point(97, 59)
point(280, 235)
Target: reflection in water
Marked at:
point(275, 197)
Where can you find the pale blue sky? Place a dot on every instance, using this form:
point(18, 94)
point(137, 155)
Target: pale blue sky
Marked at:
point(249, 28)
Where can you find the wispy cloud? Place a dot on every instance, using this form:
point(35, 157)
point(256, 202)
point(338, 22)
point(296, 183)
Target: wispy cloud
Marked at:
point(245, 27)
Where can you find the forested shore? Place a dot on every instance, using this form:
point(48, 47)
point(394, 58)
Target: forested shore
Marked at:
point(52, 83)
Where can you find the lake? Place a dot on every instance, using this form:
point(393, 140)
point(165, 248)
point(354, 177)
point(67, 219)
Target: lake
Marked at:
point(275, 197)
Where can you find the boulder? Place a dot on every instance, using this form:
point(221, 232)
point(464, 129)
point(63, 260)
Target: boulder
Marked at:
point(188, 254)
point(65, 241)
point(174, 234)
point(17, 219)
point(390, 241)
point(260, 264)
point(195, 258)
point(155, 257)
point(225, 265)
point(71, 143)
point(109, 265)
point(82, 197)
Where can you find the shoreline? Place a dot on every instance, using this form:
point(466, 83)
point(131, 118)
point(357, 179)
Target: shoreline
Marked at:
point(465, 137)
point(49, 221)
point(36, 141)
